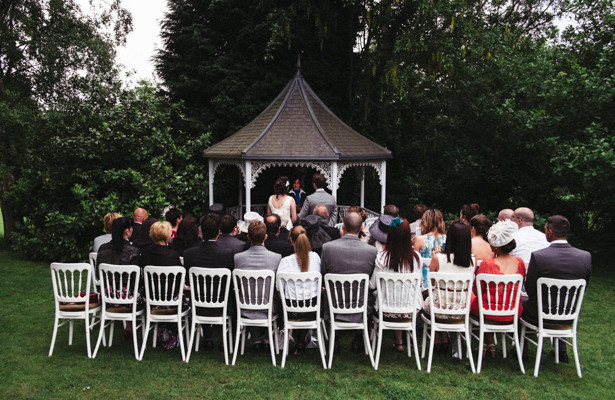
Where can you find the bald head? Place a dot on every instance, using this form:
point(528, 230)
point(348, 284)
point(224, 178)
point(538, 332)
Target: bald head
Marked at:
point(505, 214)
point(322, 212)
point(139, 215)
point(523, 216)
point(352, 223)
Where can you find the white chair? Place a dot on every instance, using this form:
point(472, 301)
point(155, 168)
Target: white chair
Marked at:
point(449, 311)
point(254, 293)
point(71, 292)
point(397, 294)
point(558, 318)
point(300, 294)
point(347, 294)
point(209, 290)
point(504, 303)
point(164, 290)
point(95, 282)
point(119, 293)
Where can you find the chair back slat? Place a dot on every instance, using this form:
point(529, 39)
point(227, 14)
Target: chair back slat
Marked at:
point(563, 298)
point(119, 283)
point(506, 291)
point(209, 287)
point(253, 289)
point(300, 291)
point(71, 282)
point(164, 285)
point(398, 293)
point(449, 293)
point(347, 293)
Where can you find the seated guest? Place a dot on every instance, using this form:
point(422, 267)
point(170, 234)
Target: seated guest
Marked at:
point(99, 240)
point(559, 261)
point(378, 231)
point(143, 240)
point(364, 232)
point(467, 212)
point(322, 212)
point(173, 217)
point(248, 218)
point(505, 214)
point(274, 242)
point(501, 238)
point(456, 259)
point(528, 238)
point(417, 213)
point(389, 209)
point(187, 236)
point(303, 260)
point(318, 230)
point(159, 253)
point(228, 228)
point(398, 256)
point(479, 225)
point(433, 239)
point(139, 215)
point(257, 257)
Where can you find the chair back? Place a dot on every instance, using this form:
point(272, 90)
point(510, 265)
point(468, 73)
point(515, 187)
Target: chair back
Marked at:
point(209, 288)
point(561, 299)
point(424, 268)
point(300, 291)
point(347, 293)
point(503, 298)
point(164, 285)
point(449, 293)
point(92, 259)
point(119, 284)
point(254, 289)
point(398, 293)
point(71, 283)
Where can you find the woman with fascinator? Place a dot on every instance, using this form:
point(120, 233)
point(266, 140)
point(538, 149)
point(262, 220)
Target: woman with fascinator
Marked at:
point(398, 256)
point(500, 237)
point(282, 204)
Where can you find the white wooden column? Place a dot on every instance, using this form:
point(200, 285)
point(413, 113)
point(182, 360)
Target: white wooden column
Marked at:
point(362, 177)
point(383, 185)
point(240, 195)
point(248, 185)
point(334, 177)
point(211, 182)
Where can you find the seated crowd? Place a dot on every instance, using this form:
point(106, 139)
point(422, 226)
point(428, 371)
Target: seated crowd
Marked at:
point(307, 241)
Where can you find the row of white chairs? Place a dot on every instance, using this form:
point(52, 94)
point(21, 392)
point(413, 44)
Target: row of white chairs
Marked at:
point(346, 293)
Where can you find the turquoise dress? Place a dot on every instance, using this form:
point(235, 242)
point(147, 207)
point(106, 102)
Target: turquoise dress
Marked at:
point(432, 245)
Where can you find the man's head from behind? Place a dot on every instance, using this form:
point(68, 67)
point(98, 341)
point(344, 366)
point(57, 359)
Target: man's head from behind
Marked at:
point(210, 226)
point(352, 223)
point(523, 216)
point(140, 215)
point(319, 181)
point(228, 224)
point(505, 214)
point(322, 212)
point(557, 227)
point(273, 223)
point(391, 209)
point(257, 233)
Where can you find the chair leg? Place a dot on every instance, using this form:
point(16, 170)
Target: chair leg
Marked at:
point(239, 328)
point(70, 332)
point(416, 349)
point(468, 338)
point(87, 336)
point(408, 341)
point(575, 351)
point(481, 343)
point(101, 335)
point(180, 336)
point(145, 335)
point(53, 335)
point(431, 344)
point(424, 341)
point(285, 345)
point(538, 354)
point(271, 345)
point(518, 348)
point(134, 338)
point(331, 345)
point(225, 341)
point(366, 344)
point(321, 346)
point(275, 337)
point(378, 347)
point(230, 334)
point(193, 333)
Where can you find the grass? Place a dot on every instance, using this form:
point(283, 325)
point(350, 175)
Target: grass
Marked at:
point(27, 372)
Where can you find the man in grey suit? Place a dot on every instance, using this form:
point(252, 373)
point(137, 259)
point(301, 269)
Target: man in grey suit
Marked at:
point(320, 197)
point(349, 255)
point(228, 228)
point(559, 261)
point(257, 257)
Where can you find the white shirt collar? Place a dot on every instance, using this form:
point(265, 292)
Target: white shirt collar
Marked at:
point(559, 241)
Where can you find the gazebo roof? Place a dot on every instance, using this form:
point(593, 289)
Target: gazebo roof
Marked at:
point(297, 125)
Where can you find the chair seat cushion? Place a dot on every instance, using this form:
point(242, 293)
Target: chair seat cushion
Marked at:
point(208, 312)
point(123, 309)
point(391, 318)
point(559, 326)
point(167, 311)
point(77, 306)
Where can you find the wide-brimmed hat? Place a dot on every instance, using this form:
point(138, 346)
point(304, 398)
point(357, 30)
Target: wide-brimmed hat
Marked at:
point(248, 218)
point(379, 229)
point(501, 233)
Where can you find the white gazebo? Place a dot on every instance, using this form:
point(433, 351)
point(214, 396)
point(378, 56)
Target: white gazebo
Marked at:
point(298, 130)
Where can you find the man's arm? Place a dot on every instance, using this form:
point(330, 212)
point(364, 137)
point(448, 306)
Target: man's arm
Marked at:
point(333, 216)
point(304, 209)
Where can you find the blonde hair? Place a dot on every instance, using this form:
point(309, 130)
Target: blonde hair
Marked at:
point(160, 232)
point(108, 221)
point(302, 247)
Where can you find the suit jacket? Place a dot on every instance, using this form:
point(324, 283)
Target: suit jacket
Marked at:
point(136, 227)
point(208, 255)
point(349, 255)
point(160, 255)
point(254, 259)
point(231, 242)
point(279, 245)
point(316, 198)
point(558, 261)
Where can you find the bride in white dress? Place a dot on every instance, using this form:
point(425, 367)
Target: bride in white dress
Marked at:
point(282, 204)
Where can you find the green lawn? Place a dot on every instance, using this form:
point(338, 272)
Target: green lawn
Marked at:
point(27, 372)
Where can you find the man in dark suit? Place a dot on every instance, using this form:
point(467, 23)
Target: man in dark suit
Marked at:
point(274, 242)
point(559, 261)
point(320, 197)
point(228, 228)
point(139, 215)
point(257, 257)
point(349, 255)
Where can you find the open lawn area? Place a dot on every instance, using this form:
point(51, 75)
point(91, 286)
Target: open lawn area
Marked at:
point(27, 372)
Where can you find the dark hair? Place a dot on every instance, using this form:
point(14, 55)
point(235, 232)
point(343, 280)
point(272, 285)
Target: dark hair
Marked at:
point(280, 186)
point(481, 225)
point(508, 247)
point(273, 223)
point(228, 223)
point(210, 226)
point(459, 243)
point(144, 239)
point(187, 232)
point(559, 225)
point(352, 222)
point(172, 215)
point(391, 210)
point(359, 211)
point(117, 232)
point(319, 180)
point(418, 210)
point(256, 232)
point(469, 211)
point(398, 251)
